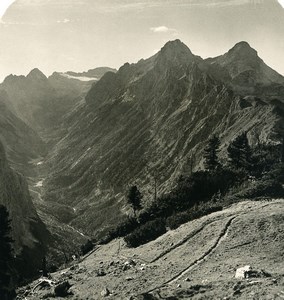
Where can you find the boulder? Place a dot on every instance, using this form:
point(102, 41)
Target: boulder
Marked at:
point(241, 273)
point(249, 272)
point(105, 292)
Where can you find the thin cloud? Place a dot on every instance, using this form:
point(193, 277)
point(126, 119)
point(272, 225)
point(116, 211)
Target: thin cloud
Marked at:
point(11, 23)
point(163, 29)
point(64, 21)
point(127, 5)
point(160, 29)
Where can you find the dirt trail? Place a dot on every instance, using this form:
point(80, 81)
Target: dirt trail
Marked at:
point(218, 241)
point(183, 241)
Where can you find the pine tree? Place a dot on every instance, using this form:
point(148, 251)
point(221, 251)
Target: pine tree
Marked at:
point(6, 253)
point(134, 198)
point(211, 154)
point(239, 152)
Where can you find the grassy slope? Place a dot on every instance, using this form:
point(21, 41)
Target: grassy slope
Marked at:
point(206, 251)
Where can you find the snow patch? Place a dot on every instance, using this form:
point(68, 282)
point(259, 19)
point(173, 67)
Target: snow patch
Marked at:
point(81, 78)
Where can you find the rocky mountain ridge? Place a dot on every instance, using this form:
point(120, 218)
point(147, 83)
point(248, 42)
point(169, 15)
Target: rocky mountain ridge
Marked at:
point(154, 117)
point(247, 74)
point(145, 124)
point(42, 102)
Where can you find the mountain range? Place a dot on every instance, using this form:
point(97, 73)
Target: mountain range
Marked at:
point(41, 102)
point(82, 139)
point(154, 117)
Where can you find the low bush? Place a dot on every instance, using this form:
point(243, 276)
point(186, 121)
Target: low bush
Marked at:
point(87, 247)
point(196, 212)
point(146, 233)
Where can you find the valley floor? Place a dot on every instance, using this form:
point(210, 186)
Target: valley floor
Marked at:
point(196, 261)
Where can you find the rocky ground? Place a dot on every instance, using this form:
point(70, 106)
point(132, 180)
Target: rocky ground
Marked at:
point(196, 261)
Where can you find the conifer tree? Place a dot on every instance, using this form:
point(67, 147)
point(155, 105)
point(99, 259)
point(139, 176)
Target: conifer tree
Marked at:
point(211, 154)
point(6, 253)
point(239, 152)
point(134, 198)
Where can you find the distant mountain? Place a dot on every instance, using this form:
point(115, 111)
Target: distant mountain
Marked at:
point(71, 87)
point(28, 231)
point(32, 97)
point(154, 117)
point(21, 142)
point(42, 102)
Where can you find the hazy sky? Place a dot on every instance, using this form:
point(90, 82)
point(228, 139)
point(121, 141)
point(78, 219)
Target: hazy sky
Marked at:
point(61, 35)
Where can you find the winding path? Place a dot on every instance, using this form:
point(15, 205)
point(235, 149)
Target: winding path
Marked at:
point(183, 241)
point(219, 240)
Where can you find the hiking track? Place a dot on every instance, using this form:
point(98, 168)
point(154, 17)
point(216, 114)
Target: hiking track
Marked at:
point(218, 241)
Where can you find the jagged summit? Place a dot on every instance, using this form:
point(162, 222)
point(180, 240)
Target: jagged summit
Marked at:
point(242, 45)
point(12, 77)
point(245, 71)
point(36, 74)
point(175, 51)
point(243, 50)
point(175, 45)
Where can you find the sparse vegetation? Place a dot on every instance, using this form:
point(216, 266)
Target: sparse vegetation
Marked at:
point(211, 154)
point(240, 152)
point(147, 232)
point(87, 247)
point(134, 198)
point(249, 173)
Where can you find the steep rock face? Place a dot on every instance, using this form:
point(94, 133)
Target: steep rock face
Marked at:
point(149, 118)
point(29, 233)
point(22, 143)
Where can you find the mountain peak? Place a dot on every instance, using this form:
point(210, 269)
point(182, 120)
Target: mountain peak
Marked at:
point(175, 52)
point(36, 74)
point(176, 46)
point(242, 49)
